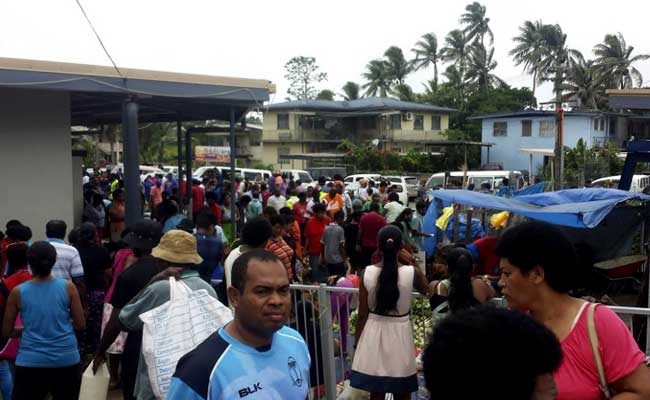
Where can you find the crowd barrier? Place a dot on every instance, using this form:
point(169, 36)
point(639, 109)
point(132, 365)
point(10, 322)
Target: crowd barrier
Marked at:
point(327, 335)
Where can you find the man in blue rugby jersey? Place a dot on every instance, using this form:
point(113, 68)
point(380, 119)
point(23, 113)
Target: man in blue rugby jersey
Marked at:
point(255, 356)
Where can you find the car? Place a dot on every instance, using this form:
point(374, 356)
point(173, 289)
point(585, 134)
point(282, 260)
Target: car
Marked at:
point(327, 172)
point(402, 193)
point(639, 182)
point(303, 176)
point(357, 177)
point(410, 182)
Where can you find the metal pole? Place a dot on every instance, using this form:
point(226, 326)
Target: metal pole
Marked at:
point(531, 178)
point(131, 162)
point(179, 143)
point(327, 342)
point(233, 155)
point(188, 171)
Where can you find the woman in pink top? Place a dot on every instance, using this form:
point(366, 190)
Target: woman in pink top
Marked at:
point(537, 262)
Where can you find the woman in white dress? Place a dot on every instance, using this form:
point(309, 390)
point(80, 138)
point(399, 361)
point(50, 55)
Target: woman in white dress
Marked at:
point(384, 361)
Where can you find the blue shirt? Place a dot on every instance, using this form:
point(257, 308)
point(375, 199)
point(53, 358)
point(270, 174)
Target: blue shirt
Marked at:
point(48, 340)
point(172, 222)
point(221, 368)
point(210, 248)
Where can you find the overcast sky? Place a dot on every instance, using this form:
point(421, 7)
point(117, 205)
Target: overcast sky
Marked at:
point(256, 38)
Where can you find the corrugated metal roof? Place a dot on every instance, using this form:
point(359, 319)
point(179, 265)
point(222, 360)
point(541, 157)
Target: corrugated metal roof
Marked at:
point(360, 105)
point(539, 113)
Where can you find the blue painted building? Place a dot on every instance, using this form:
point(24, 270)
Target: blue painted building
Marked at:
point(518, 136)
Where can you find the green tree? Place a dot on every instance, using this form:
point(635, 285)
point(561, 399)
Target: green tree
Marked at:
point(426, 55)
point(351, 90)
point(477, 25)
point(403, 92)
point(480, 65)
point(455, 50)
point(614, 59)
point(325, 94)
point(397, 68)
point(585, 83)
point(302, 74)
point(152, 139)
point(529, 49)
point(378, 79)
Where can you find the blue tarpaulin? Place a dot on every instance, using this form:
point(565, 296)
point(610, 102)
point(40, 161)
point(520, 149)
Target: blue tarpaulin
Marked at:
point(576, 208)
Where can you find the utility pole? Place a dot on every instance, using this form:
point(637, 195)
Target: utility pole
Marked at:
point(558, 165)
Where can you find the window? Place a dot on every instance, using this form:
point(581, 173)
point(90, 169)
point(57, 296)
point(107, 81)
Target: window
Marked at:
point(396, 121)
point(596, 124)
point(319, 124)
point(526, 127)
point(283, 150)
point(397, 149)
point(546, 128)
point(500, 129)
point(435, 122)
point(418, 122)
point(304, 178)
point(255, 139)
point(283, 121)
point(369, 123)
point(602, 124)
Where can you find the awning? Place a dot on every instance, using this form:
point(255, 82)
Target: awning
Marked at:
point(543, 152)
point(575, 208)
point(311, 156)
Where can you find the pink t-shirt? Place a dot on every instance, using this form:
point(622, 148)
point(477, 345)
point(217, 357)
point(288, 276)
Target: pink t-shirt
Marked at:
point(577, 378)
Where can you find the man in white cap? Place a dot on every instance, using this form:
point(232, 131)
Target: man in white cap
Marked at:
point(362, 191)
point(177, 251)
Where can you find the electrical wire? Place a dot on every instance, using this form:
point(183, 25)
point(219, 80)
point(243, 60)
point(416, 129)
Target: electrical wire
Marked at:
point(99, 39)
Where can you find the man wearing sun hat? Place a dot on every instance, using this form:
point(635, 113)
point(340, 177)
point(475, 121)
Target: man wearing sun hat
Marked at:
point(177, 251)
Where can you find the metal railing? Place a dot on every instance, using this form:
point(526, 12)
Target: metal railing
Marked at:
point(326, 318)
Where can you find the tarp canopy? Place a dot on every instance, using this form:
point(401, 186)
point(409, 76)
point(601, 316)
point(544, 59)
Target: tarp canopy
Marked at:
point(574, 208)
point(577, 208)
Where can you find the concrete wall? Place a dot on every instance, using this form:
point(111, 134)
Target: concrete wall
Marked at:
point(507, 149)
point(35, 158)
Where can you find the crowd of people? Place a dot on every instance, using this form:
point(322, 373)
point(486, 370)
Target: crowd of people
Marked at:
point(75, 298)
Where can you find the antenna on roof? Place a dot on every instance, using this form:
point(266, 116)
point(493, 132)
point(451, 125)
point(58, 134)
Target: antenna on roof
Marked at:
point(100, 40)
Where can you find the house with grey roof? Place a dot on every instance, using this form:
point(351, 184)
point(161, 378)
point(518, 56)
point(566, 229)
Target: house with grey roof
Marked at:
point(524, 140)
point(302, 134)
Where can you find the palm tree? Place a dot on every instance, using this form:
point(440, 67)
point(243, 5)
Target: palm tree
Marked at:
point(477, 24)
point(455, 50)
point(456, 80)
point(426, 54)
point(614, 58)
point(480, 65)
point(396, 65)
point(377, 77)
point(351, 90)
point(584, 83)
point(529, 50)
point(403, 92)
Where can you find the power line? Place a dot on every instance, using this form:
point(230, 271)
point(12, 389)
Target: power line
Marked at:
point(99, 39)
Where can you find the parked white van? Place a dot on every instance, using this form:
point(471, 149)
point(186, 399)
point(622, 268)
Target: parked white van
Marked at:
point(639, 182)
point(493, 178)
point(411, 184)
point(303, 176)
point(357, 177)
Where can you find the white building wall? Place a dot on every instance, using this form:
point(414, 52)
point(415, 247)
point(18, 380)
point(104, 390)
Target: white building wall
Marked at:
point(507, 149)
point(35, 158)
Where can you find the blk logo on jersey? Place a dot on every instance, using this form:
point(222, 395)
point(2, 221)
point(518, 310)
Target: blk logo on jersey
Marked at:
point(294, 372)
point(248, 391)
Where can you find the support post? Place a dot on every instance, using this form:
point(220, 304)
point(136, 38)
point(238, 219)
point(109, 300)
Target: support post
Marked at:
point(188, 171)
point(179, 144)
point(327, 342)
point(233, 155)
point(531, 178)
point(133, 212)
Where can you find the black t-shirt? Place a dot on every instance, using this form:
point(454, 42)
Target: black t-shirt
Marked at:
point(133, 279)
point(95, 260)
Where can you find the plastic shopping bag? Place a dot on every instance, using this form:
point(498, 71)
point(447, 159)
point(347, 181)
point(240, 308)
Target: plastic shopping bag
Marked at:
point(175, 328)
point(94, 386)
